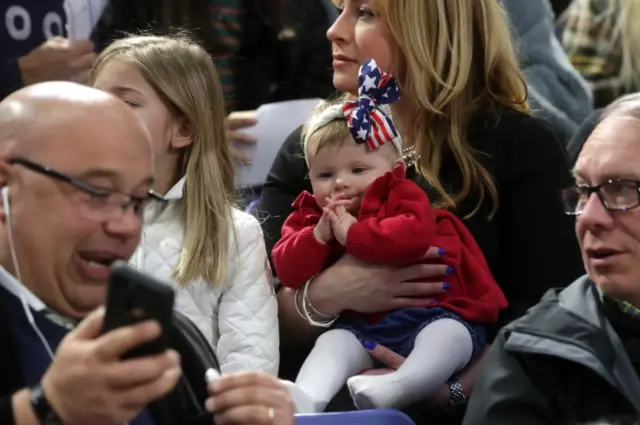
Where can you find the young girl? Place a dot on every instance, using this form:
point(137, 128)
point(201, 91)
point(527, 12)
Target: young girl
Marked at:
point(363, 205)
point(213, 252)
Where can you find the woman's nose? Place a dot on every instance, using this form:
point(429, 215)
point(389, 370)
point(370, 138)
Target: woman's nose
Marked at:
point(338, 33)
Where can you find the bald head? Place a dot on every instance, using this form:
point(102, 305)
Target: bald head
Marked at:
point(29, 115)
point(68, 154)
point(628, 105)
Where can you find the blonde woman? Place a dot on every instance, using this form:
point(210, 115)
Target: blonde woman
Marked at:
point(601, 40)
point(476, 151)
point(213, 252)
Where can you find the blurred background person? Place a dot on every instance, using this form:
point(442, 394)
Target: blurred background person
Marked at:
point(33, 48)
point(265, 50)
point(600, 38)
point(556, 91)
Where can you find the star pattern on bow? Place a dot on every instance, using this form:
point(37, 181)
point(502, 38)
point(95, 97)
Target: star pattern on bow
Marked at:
point(367, 123)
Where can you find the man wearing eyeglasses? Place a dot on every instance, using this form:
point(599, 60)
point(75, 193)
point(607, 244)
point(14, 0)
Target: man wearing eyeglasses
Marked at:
point(575, 357)
point(74, 180)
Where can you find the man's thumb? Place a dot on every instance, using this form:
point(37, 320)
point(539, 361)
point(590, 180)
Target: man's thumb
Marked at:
point(91, 326)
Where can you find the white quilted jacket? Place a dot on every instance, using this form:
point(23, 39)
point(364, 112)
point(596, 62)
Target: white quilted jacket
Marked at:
point(239, 317)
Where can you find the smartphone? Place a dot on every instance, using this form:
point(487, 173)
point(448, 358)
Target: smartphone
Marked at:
point(133, 297)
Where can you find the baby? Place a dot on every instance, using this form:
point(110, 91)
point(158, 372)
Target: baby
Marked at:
point(363, 204)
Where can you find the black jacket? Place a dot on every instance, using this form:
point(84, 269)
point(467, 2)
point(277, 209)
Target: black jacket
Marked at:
point(183, 406)
point(269, 70)
point(563, 363)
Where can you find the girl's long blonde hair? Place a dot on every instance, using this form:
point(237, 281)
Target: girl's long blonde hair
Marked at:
point(184, 77)
point(455, 59)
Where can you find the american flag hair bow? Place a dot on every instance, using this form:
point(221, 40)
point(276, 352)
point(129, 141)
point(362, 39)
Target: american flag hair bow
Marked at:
point(367, 121)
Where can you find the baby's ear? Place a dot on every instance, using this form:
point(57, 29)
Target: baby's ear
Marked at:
point(399, 168)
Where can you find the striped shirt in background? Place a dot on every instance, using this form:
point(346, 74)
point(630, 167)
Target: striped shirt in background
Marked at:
point(227, 17)
point(587, 37)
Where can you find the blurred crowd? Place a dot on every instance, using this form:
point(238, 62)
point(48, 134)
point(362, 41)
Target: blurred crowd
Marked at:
point(452, 234)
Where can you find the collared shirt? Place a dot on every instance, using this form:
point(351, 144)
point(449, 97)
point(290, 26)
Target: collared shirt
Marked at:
point(629, 309)
point(623, 306)
point(34, 335)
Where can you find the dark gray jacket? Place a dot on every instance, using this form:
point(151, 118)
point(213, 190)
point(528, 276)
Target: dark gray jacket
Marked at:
point(561, 363)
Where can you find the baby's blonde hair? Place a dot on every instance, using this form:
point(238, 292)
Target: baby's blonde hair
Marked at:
point(333, 134)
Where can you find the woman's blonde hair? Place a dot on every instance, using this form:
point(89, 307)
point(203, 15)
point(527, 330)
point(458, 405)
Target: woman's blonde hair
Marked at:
point(184, 77)
point(455, 59)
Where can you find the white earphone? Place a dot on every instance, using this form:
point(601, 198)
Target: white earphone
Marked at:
point(4, 192)
point(16, 287)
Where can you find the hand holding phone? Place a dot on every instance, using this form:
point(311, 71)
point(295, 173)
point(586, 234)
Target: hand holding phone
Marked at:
point(134, 297)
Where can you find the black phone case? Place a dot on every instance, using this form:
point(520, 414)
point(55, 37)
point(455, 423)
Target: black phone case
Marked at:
point(133, 297)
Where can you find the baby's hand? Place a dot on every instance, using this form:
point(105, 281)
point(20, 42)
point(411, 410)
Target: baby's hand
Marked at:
point(341, 221)
point(323, 231)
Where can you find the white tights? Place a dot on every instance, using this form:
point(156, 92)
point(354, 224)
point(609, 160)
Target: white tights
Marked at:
point(441, 349)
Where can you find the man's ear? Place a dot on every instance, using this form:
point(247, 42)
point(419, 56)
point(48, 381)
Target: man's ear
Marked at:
point(183, 133)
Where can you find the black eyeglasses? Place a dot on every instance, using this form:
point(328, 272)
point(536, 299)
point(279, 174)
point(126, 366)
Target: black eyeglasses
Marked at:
point(102, 203)
point(615, 195)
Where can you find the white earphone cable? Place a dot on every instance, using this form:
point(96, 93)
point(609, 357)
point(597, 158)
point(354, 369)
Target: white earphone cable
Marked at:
point(16, 266)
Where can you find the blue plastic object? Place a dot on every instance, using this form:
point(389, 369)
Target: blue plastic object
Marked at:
point(361, 417)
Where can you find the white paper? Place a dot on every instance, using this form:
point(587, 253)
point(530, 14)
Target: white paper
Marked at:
point(82, 17)
point(276, 121)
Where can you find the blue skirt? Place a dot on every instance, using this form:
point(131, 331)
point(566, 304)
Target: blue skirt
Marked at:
point(398, 329)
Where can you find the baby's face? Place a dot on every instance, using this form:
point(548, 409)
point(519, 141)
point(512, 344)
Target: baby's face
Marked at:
point(349, 170)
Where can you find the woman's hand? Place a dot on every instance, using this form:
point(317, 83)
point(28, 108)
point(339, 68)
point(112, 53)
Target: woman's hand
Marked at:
point(250, 398)
point(351, 284)
point(241, 142)
point(439, 399)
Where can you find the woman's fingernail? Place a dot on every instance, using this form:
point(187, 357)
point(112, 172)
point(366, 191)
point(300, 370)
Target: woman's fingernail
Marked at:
point(433, 301)
point(445, 286)
point(210, 405)
point(369, 345)
point(441, 252)
point(449, 270)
